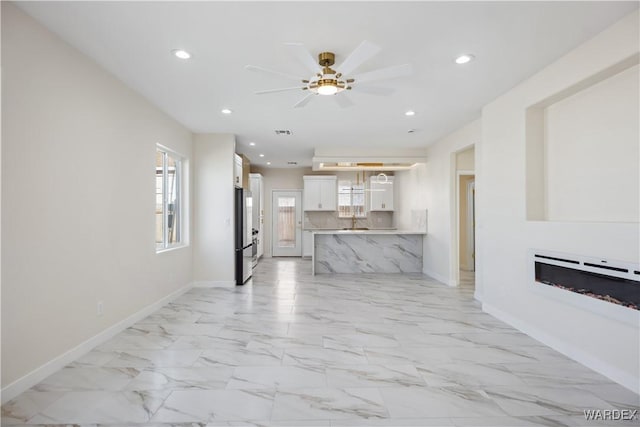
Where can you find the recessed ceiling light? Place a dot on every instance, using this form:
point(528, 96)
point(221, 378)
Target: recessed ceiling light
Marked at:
point(226, 111)
point(252, 144)
point(261, 155)
point(463, 59)
point(268, 163)
point(182, 54)
point(410, 113)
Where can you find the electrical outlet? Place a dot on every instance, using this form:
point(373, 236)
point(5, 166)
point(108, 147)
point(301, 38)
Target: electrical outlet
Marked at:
point(100, 308)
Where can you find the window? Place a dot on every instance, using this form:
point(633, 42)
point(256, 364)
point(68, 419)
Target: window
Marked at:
point(351, 200)
point(286, 222)
point(168, 199)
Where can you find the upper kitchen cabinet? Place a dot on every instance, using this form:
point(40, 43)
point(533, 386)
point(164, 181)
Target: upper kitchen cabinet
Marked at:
point(320, 193)
point(381, 187)
point(237, 171)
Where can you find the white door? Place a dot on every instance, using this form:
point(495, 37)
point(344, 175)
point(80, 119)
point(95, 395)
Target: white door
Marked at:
point(286, 236)
point(471, 225)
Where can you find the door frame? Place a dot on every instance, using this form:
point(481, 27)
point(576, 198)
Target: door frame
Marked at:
point(454, 258)
point(297, 250)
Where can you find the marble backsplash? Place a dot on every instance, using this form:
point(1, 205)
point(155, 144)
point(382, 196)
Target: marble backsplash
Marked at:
point(330, 220)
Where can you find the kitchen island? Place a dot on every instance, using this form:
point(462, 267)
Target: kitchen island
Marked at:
point(367, 251)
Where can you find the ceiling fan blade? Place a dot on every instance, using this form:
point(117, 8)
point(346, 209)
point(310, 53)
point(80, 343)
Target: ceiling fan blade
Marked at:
point(366, 50)
point(384, 73)
point(304, 101)
point(277, 73)
point(283, 89)
point(374, 90)
point(304, 56)
point(342, 100)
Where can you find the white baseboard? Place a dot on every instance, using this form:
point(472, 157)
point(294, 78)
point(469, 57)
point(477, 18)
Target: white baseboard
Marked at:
point(37, 375)
point(438, 277)
point(214, 284)
point(621, 377)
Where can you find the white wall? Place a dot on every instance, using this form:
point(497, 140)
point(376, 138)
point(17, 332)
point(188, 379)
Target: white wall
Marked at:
point(465, 160)
point(213, 216)
point(591, 150)
point(78, 198)
point(504, 234)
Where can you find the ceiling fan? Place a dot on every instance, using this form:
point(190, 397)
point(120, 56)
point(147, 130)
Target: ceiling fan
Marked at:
point(328, 81)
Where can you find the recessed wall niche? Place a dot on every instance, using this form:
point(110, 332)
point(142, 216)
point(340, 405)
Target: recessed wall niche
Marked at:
point(582, 150)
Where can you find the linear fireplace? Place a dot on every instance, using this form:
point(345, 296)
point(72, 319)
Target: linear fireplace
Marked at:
point(610, 281)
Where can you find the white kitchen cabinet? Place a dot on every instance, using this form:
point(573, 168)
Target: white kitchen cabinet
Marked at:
point(381, 194)
point(237, 171)
point(307, 244)
point(257, 193)
point(320, 192)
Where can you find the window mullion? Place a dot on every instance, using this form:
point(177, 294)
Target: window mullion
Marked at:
point(165, 200)
point(177, 222)
point(353, 209)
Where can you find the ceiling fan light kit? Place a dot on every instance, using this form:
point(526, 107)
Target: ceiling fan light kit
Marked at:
point(328, 81)
point(327, 87)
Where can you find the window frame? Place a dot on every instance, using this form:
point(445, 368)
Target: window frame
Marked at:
point(179, 209)
point(351, 198)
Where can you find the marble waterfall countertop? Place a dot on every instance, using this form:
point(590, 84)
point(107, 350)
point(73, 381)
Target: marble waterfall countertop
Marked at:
point(367, 251)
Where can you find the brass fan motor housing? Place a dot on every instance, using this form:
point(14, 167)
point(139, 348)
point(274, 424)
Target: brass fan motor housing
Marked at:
point(326, 60)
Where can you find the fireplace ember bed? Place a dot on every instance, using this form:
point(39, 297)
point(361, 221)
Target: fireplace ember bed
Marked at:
point(610, 281)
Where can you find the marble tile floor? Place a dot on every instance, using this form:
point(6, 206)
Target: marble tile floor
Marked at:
point(291, 349)
point(467, 279)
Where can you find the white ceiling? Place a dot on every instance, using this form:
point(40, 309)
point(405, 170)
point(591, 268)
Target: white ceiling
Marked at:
point(511, 41)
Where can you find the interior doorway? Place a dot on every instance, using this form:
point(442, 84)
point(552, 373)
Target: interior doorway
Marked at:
point(462, 216)
point(286, 233)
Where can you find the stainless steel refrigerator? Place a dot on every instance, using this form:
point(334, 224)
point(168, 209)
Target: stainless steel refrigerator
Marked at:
point(243, 237)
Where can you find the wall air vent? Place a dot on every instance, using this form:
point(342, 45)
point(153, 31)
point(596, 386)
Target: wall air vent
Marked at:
point(283, 132)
